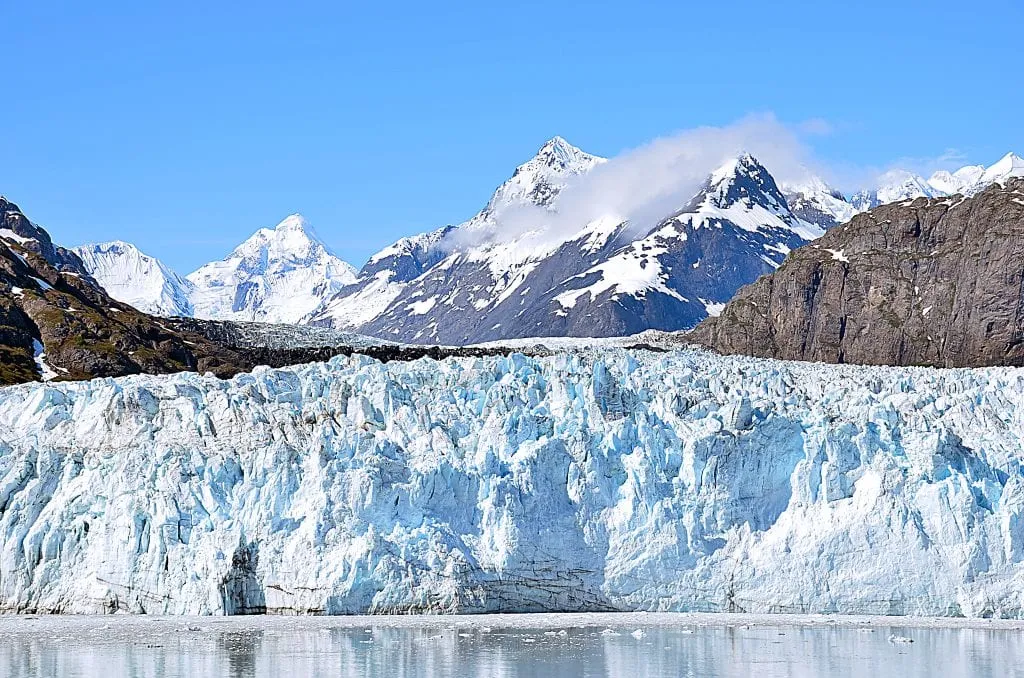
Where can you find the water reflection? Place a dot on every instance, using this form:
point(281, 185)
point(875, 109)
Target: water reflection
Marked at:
point(212, 650)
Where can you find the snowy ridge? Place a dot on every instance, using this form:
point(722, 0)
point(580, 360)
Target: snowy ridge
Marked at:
point(900, 185)
point(137, 279)
point(595, 481)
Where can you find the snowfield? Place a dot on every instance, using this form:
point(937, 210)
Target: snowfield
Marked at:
point(585, 481)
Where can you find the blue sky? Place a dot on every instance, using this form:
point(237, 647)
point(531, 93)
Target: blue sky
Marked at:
point(184, 128)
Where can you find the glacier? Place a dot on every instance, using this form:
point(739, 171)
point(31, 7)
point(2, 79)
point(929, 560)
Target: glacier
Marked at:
point(600, 479)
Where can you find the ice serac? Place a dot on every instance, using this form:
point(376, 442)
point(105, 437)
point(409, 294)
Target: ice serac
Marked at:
point(603, 480)
point(137, 279)
point(277, 275)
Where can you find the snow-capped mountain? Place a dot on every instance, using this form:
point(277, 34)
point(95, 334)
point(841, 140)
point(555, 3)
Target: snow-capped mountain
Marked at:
point(277, 275)
point(138, 279)
point(894, 186)
point(1009, 166)
point(473, 283)
point(624, 480)
point(541, 178)
point(965, 180)
point(899, 185)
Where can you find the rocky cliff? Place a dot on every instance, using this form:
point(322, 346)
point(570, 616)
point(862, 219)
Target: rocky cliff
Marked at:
point(920, 282)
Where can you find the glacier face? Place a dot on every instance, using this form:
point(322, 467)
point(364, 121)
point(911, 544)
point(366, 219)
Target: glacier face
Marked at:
point(603, 479)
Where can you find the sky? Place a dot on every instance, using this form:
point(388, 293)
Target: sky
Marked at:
point(184, 127)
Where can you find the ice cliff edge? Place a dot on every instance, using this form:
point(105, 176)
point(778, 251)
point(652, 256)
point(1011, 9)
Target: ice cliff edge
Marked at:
point(604, 480)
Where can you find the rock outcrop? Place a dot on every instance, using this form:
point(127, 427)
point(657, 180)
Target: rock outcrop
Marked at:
point(921, 282)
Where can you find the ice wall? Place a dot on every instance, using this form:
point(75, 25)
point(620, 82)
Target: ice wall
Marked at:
point(602, 480)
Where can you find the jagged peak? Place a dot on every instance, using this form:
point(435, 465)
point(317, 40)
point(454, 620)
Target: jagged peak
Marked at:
point(740, 179)
point(810, 184)
point(561, 157)
point(739, 165)
point(540, 178)
point(1010, 158)
point(293, 235)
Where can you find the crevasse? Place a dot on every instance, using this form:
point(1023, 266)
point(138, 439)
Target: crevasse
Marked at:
point(596, 480)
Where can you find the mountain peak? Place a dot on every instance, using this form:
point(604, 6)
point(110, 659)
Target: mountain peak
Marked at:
point(541, 177)
point(1010, 159)
point(559, 155)
point(293, 222)
point(743, 164)
point(742, 179)
point(111, 246)
point(292, 237)
point(131, 276)
point(278, 274)
point(898, 185)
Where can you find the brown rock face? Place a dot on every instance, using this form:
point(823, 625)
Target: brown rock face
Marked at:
point(928, 282)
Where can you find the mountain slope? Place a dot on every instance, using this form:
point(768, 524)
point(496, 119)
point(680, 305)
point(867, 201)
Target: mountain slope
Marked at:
point(56, 322)
point(137, 279)
point(16, 228)
point(926, 282)
point(484, 281)
point(277, 275)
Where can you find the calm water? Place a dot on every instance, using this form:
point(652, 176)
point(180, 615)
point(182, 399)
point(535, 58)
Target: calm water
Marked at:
point(199, 648)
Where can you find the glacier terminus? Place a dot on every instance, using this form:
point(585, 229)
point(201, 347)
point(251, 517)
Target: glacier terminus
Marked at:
point(590, 480)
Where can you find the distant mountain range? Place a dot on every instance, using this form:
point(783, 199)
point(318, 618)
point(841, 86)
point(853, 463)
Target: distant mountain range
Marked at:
point(277, 275)
point(482, 280)
point(899, 185)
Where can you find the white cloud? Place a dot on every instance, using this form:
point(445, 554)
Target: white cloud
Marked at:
point(816, 127)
